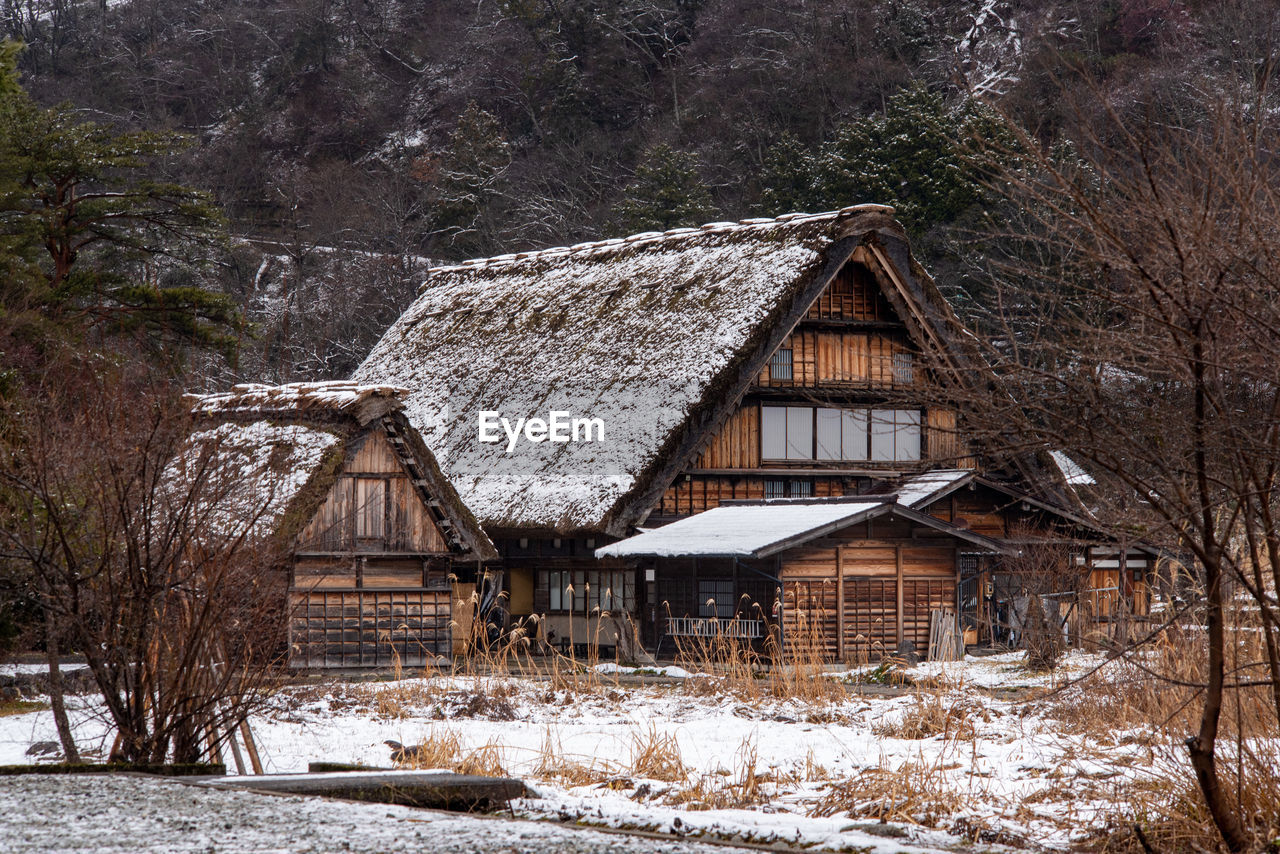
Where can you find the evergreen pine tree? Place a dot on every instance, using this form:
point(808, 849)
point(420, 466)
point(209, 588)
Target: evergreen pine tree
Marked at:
point(90, 241)
point(469, 175)
point(666, 192)
point(921, 156)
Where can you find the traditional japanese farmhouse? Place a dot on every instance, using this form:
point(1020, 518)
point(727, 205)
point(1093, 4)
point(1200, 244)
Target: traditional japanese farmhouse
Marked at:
point(766, 449)
point(373, 534)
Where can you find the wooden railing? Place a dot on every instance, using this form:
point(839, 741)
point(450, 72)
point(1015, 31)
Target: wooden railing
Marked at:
point(711, 627)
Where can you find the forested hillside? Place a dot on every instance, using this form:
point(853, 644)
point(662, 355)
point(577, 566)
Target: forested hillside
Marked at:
point(348, 141)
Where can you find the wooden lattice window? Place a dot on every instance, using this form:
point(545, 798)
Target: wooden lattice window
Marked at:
point(781, 366)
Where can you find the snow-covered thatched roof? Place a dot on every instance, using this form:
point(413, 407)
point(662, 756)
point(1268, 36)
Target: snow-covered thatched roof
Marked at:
point(655, 335)
point(272, 453)
point(245, 475)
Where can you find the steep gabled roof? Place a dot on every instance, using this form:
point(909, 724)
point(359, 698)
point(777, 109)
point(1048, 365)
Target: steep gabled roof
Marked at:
point(278, 449)
point(657, 335)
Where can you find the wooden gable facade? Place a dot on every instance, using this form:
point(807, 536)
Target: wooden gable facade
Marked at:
point(849, 369)
point(375, 535)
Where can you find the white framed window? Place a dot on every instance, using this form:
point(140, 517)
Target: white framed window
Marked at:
point(827, 429)
point(786, 432)
point(895, 435)
point(799, 432)
point(773, 432)
point(809, 433)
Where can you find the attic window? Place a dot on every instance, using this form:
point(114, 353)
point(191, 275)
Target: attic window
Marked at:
point(788, 489)
point(371, 508)
point(780, 366)
point(903, 368)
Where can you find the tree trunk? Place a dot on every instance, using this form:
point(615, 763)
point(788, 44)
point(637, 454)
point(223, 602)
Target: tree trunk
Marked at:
point(57, 697)
point(1202, 745)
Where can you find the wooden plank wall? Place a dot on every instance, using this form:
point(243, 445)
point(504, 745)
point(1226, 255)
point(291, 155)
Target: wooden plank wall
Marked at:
point(737, 444)
point(332, 529)
point(359, 628)
point(945, 444)
point(703, 492)
point(864, 625)
point(852, 295)
point(821, 358)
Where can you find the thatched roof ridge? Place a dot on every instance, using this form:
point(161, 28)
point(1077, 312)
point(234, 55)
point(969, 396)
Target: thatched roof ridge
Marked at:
point(343, 398)
point(746, 228)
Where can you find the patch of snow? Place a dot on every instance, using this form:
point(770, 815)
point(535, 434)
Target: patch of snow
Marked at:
point(1072, 472)
point(739, 530)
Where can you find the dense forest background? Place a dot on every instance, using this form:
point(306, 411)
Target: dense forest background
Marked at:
point(349, 141)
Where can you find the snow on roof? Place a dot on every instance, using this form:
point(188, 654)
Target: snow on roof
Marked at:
point(1072, 472)
point(246, 474)
point(345, 397)
point(755, 529)
point(924, 489)
point(634, 331)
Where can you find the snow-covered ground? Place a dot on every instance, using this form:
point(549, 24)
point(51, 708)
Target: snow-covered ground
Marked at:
point(951, 764)
point(129, 815)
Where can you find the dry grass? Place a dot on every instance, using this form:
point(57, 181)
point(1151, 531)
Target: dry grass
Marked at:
point(915, 792)
point(1139, 701)
point(735, 667)
point(745, 786)
point(932, 714)
point(570, 770)
point(656, 756)
point(21, 707)
point(443, 748)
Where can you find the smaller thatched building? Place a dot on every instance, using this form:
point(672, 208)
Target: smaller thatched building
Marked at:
point(374, 534)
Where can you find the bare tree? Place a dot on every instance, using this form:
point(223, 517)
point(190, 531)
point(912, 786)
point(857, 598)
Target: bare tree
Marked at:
point(146, 558)
point(1133, 322)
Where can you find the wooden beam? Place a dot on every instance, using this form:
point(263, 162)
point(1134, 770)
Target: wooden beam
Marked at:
point(897, 556)
point(840, 603)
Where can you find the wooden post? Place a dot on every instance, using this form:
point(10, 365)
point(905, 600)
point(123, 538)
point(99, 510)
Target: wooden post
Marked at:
point(251, 747)
point(897, 553)
point(840, 603)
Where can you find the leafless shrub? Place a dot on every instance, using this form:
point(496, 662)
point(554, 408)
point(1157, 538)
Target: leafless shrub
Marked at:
point(167, 584)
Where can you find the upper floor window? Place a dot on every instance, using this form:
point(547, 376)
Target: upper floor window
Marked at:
point(895, 434)
point(903, 368)
point(824, 433)
point(781, 366)
point(371, 508)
